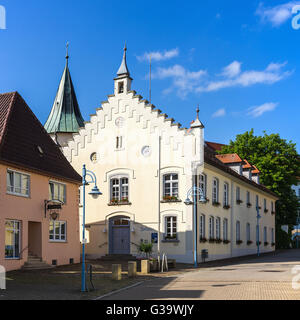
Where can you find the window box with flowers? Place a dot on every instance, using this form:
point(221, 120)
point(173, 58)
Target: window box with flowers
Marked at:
point(249, 242)
point(226, 207)
point(226, 241)
point(273, 212)
point(266, 211)
point(249, 205)
point(170, 199)
point(239, 242)
point(212, 240)
point(216, 204)
point(171, 238)
point(118, 202)
point(219, 240)
point(203, 240)
point(239, 202)
point(266, 244)
point(258, 243)
point(273, 244)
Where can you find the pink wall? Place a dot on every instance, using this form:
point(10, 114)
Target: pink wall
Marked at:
point(32, 210)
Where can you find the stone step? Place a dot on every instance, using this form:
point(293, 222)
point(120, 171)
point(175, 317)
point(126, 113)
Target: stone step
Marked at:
point(36, 265)
point(118, 257)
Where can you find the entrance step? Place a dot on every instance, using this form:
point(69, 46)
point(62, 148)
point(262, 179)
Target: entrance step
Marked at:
point(36, 263)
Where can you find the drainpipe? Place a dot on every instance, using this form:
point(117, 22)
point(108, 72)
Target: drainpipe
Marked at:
point(231, 218)
point(159, 193)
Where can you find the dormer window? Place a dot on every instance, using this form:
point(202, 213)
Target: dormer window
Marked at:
point(121, 87)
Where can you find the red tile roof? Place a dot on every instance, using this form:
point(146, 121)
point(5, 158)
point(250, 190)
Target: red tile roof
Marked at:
point(21, 134)
point(247, 165)
point(215, 146)
point(229, 158)
point(255, 171)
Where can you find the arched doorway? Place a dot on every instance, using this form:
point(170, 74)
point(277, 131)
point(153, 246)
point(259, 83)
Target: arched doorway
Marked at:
point(119, 235)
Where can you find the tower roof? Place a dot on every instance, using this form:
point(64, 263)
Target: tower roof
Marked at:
point(123, 70)
point(65, 116)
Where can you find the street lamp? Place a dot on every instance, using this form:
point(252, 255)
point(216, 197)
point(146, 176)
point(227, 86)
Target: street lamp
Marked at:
point(195, 191)
point(258, 216)
point(94, 193)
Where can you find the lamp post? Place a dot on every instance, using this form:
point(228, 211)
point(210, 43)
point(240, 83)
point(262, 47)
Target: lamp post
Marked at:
point(195, 192)
point(94, 193)
point(258, 216)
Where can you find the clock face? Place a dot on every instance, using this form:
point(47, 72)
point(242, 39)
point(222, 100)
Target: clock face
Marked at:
point(146, 151)
point(120, 122)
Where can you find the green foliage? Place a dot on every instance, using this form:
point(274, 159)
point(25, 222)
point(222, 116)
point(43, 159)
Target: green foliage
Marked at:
point(283, 240)
point(146, 248)
point(279, 164)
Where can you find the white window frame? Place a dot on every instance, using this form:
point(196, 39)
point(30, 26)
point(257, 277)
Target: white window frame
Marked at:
point(226, 194)
point(59, 185)
point(14, 229)
point(123, 188)
point(211, 227)
point(202, 184)
point(53, 222)
point(225, 229)
point(202, 226)
point(218, 228)
point(272, 235)
point(238, 193)
point(215, 190)
point(9, 187)
point(248, 232)
point(248, 197)
point(169, 224)
point(238, 231)
point(265, 234)
point(265, 204)
point(256, 201)
point(172, 182)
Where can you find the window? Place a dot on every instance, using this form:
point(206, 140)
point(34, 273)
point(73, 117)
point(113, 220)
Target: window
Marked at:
point(170, 186)
point(215, 191)
point(218, 228)
point(12, 239)
point(265, 205)
point(248, 198)
point(225, 229)
point(272, 235)
point(171, 228)
point(265, 235)
point(18, 183)
point(58, 231)
point(238, 194)
point(238, 231)
point(57, 191)
point(226, 195)
point(211, 228)
point(121, 87)
point(119, 142)
point(257, 202)
point(119, 189)
point(272, 206)
point(202, 226)
point(202, 184)
point(248, 231)
point(94, 157)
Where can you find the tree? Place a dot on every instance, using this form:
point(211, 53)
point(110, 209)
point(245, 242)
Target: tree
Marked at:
point(279, 164)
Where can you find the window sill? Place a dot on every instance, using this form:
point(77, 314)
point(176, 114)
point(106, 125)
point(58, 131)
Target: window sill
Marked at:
point(171, 241)
point(18, 195)
point(119, 204)
point(13, 259)
point(57, 241)
point(170, 201)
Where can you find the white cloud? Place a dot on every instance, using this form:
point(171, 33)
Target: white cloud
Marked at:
point(258, 111)
point(232, 70)
point(158, 55)
point(276, 15)
point(272, 74)
point(219, 113)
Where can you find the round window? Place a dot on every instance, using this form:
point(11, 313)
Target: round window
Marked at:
point(94, 157)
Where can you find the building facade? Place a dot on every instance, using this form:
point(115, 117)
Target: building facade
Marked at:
point(146, 164)
point(34, 175)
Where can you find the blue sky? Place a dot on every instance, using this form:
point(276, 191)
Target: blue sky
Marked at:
point(240, 63)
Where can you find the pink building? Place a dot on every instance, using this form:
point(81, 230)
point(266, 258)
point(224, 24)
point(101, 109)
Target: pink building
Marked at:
point(39, 221)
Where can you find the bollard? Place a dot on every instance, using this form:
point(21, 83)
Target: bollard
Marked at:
point(117, 272)
point(131, 269)
point(145, 266)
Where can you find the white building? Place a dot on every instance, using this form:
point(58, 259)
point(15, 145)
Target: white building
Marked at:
point(145, 164)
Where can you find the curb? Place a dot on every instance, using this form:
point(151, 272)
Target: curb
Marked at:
point(117, 291)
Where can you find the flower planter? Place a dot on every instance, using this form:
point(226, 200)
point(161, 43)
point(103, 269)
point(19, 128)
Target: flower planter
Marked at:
point(258, 243)
point(273, 212)
point(212, 240)
point(154, 267)
point(249, 205)
point(239, 242)
point(219, 241)
point(203, 240)
point(273, 244)
point(226, 241)
point(239, 201)
point(216, 204)
point(226, 207)
point(266, 244)
point(266, 211)
point(249, 242)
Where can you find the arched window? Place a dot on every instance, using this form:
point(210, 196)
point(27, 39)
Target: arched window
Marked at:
point(202, 184)
point(119, 187)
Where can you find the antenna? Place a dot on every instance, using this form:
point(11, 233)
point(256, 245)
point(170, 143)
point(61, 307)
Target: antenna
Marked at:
point(150, 79)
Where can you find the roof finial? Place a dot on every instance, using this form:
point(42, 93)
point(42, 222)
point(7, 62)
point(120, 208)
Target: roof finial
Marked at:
point(198, 110)
point(67, 51)
point(123, 70)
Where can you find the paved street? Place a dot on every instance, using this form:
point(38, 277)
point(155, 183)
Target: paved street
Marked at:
point(264, 278)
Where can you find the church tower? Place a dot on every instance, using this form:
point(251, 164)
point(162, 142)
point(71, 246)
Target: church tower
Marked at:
point(123, 79)
point(65, 118)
